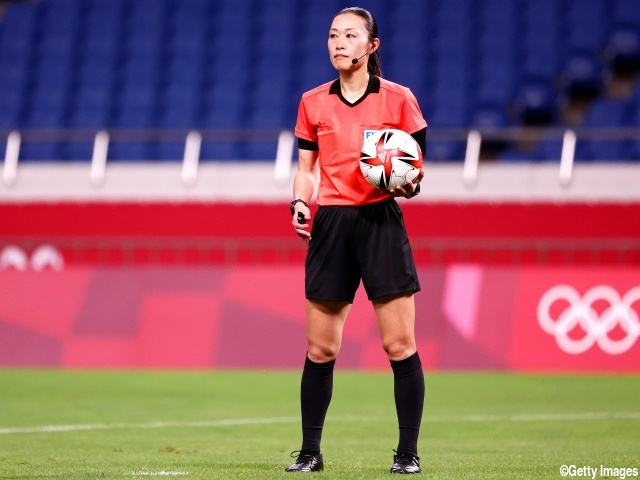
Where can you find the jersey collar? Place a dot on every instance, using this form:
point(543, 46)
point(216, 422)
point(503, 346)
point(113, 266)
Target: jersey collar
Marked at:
point(372, 87)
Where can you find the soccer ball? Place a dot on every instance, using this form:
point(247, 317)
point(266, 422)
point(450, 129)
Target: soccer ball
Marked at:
point(390, 159)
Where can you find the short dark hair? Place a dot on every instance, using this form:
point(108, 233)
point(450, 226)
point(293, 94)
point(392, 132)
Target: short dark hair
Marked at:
point(374, 66)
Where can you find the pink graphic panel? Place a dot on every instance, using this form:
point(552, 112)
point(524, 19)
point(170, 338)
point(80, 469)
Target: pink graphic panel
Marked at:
point(99, 352)
point(47, 302)
point(467, 317)
point(177, 331)
point(462, 296)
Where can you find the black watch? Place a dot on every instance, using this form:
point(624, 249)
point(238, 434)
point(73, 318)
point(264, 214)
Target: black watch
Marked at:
point(293, 204)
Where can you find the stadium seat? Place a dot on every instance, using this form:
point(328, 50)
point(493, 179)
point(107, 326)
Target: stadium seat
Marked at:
point(536, 102)
point(625, 12)
point(623, 48)
point(489, 117)
point(445, 151)
point(587, 25)
point(10, 108)
point(549, 150)
point(582, 75)
point(91, 108)
point(634, 150)
point(131, 151)
point(495, 80)
point(608, 113)
point(41, 151)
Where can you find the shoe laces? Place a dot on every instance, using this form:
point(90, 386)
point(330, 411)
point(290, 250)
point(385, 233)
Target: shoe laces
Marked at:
point(303, 454)
point(406, 456)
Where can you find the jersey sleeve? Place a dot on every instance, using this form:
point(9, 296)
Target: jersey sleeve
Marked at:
point(305, 128)
point(412, 119)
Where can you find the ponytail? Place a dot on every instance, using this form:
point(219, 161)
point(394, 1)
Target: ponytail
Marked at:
point(373, 66)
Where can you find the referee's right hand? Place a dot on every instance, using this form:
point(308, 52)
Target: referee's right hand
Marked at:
point(301, 216)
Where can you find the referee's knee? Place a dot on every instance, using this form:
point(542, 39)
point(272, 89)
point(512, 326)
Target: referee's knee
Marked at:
point(321, 353)
point(399, 350)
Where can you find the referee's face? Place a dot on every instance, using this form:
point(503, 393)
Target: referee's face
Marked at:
point(348, 39)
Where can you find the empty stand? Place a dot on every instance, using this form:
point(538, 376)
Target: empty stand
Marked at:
point(197, 64)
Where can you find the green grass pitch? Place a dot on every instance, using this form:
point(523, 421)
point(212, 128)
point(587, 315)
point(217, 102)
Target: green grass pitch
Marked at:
point(227, 424)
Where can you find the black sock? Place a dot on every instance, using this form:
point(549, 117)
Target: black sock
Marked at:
point(315, 395)
point(408, 389)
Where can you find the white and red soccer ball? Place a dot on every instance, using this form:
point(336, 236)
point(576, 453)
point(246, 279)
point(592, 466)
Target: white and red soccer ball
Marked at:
point(390, 159)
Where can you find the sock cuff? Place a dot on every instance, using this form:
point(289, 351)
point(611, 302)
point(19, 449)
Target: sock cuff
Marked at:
point(318, 370)
point(407, 366)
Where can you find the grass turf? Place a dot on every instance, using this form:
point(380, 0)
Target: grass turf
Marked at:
point(209, 425)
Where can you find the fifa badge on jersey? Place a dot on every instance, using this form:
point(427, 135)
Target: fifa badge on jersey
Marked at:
point(368, 133)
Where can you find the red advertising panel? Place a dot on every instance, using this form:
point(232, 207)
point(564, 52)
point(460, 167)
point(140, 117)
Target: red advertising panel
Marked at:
point(469, 316)
point(577, 319)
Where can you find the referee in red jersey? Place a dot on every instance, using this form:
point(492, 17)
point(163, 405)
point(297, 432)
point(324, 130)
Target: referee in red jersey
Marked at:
point(358, 233)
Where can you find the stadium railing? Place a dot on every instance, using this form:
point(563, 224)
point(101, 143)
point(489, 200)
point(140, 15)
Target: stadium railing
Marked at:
point(473, 139)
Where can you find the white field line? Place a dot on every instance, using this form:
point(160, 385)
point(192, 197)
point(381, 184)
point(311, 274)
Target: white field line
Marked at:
point(161, 473)
point(524, 417)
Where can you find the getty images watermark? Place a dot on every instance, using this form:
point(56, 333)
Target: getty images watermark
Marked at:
point(600, 471)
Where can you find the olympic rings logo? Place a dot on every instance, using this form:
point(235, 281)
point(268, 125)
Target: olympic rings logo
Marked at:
point(580, 312)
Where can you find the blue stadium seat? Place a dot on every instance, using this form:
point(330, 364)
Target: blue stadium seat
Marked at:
point(14, 76)
point(407, 66)
point(185, 73)
point(17, 31)
point(587, 23)
point(48, 106)
point(489, 117)
point(260, 150)
point(180, 108)
point(10, 108)
point(623, 48)
point(540, 39)
point(223, 108)
point(131, 151)
point(450, 110)
point(495, 81)
point(549, 150)
point(582, 76)
point(445, 151)
point(220, 151)
point(92, 108)
point(625, 12)
point(40, 151)
point(135, 115)
point(608, 113)
point(102, 30)
point(97, 73)
point(536, 102)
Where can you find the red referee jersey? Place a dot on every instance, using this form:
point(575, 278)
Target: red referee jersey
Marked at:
point(339, 128)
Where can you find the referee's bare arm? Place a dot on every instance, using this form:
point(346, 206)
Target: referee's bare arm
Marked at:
point(303, 187)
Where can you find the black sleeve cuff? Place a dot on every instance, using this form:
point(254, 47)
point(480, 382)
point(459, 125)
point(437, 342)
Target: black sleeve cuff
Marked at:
point(421, 137)
point(307, 144)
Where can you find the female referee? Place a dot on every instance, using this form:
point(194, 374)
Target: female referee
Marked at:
point(358, 233)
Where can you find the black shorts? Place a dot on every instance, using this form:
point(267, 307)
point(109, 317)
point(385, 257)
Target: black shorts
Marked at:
point(352, 243)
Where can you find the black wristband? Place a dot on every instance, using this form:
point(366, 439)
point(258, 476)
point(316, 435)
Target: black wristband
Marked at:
point(293, 204)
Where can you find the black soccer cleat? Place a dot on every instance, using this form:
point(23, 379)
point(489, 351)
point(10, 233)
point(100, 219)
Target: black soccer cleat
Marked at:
point(405, 462)
point(307, 461)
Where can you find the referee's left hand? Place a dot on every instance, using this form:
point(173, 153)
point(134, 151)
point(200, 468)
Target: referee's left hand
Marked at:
point(407, 189)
